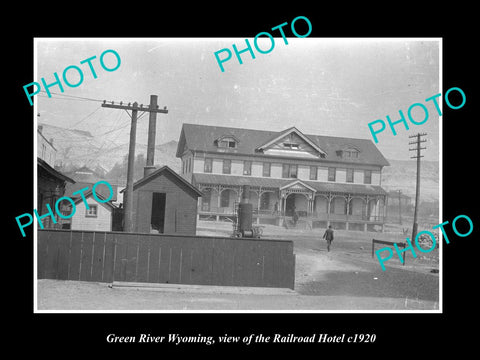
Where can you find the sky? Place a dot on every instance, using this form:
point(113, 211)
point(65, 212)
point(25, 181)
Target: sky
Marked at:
point(322, 86)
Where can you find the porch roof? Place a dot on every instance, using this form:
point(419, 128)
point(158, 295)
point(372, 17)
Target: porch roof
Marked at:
point(319, 187)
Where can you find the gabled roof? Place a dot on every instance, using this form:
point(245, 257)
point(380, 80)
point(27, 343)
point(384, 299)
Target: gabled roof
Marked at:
point(160, 171)
point(289, 131)
point(201, 138)
point(100, 196)
point(227, 136)
point(296, 182)
point(70, 189)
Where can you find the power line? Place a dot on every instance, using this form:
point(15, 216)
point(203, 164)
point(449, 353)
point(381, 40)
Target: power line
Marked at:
point(85, 118)
point(72, 96)
point(53, 97)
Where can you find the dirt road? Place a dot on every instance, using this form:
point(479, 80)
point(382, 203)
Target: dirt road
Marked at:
point(347, 278)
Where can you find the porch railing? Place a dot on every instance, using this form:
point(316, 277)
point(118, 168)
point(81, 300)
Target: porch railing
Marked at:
point(302, 214)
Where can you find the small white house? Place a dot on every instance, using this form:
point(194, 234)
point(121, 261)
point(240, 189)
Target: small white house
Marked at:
point(98, 216)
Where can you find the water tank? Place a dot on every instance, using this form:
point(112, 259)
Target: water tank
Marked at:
point(245, 213)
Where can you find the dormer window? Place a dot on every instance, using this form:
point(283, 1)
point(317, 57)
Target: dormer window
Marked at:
point(351, 153)
point(348, 153)
point(228, 142)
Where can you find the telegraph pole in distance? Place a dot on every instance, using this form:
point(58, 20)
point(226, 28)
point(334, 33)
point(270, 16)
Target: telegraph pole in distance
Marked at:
point(417, 191)
point(400, 206)
point(127, 197)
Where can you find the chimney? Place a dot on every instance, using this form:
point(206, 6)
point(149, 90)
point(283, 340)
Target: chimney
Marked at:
point(152, 122)
point(40, 128)
point(147, 170)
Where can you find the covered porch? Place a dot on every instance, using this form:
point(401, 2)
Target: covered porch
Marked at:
point(316, 206)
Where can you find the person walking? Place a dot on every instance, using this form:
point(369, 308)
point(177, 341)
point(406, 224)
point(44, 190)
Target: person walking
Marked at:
point(328, 235)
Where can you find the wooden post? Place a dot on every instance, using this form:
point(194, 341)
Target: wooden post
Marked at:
point(128, 195)
point(417, 190)
point(400, 206)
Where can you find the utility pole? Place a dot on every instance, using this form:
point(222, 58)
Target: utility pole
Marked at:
point(417, 191)
point(400, 205)
point(127, 196)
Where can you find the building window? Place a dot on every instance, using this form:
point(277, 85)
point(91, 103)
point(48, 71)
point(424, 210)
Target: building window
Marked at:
point(350, 153)
point(350, 175)
point(265, 201)
point(207, 166)
point(367, 179)
point(225, 198)
point(331, 173)
point(207, 195)
point(92, 211)
point(291, 146)
point(266, 169)
point(66, 210)
point(289, 171)
point(227, 166)
point(313, 173)
point(247, 167)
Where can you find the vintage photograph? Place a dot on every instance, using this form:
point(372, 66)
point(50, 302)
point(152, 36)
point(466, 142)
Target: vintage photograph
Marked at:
point(212, 175)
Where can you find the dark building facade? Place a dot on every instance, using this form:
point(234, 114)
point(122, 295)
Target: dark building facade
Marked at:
point(50, 187)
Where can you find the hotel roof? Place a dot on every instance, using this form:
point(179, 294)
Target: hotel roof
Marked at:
point(201, 138)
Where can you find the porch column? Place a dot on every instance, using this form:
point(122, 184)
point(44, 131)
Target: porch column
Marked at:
point(348, 198)
point(284, 207)
point(329, 200)
point(259, 194)
point(367, 200)
point(199, 208)
point(384, 212)
point(364, 213)
point(219, 193)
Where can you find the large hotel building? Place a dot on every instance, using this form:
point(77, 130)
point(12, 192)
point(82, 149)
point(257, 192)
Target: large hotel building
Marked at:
point(327, 180)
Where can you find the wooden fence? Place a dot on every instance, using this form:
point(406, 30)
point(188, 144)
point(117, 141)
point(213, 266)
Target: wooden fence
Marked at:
point(200, 260)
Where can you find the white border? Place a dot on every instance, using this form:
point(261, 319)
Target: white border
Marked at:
point(439, 310)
